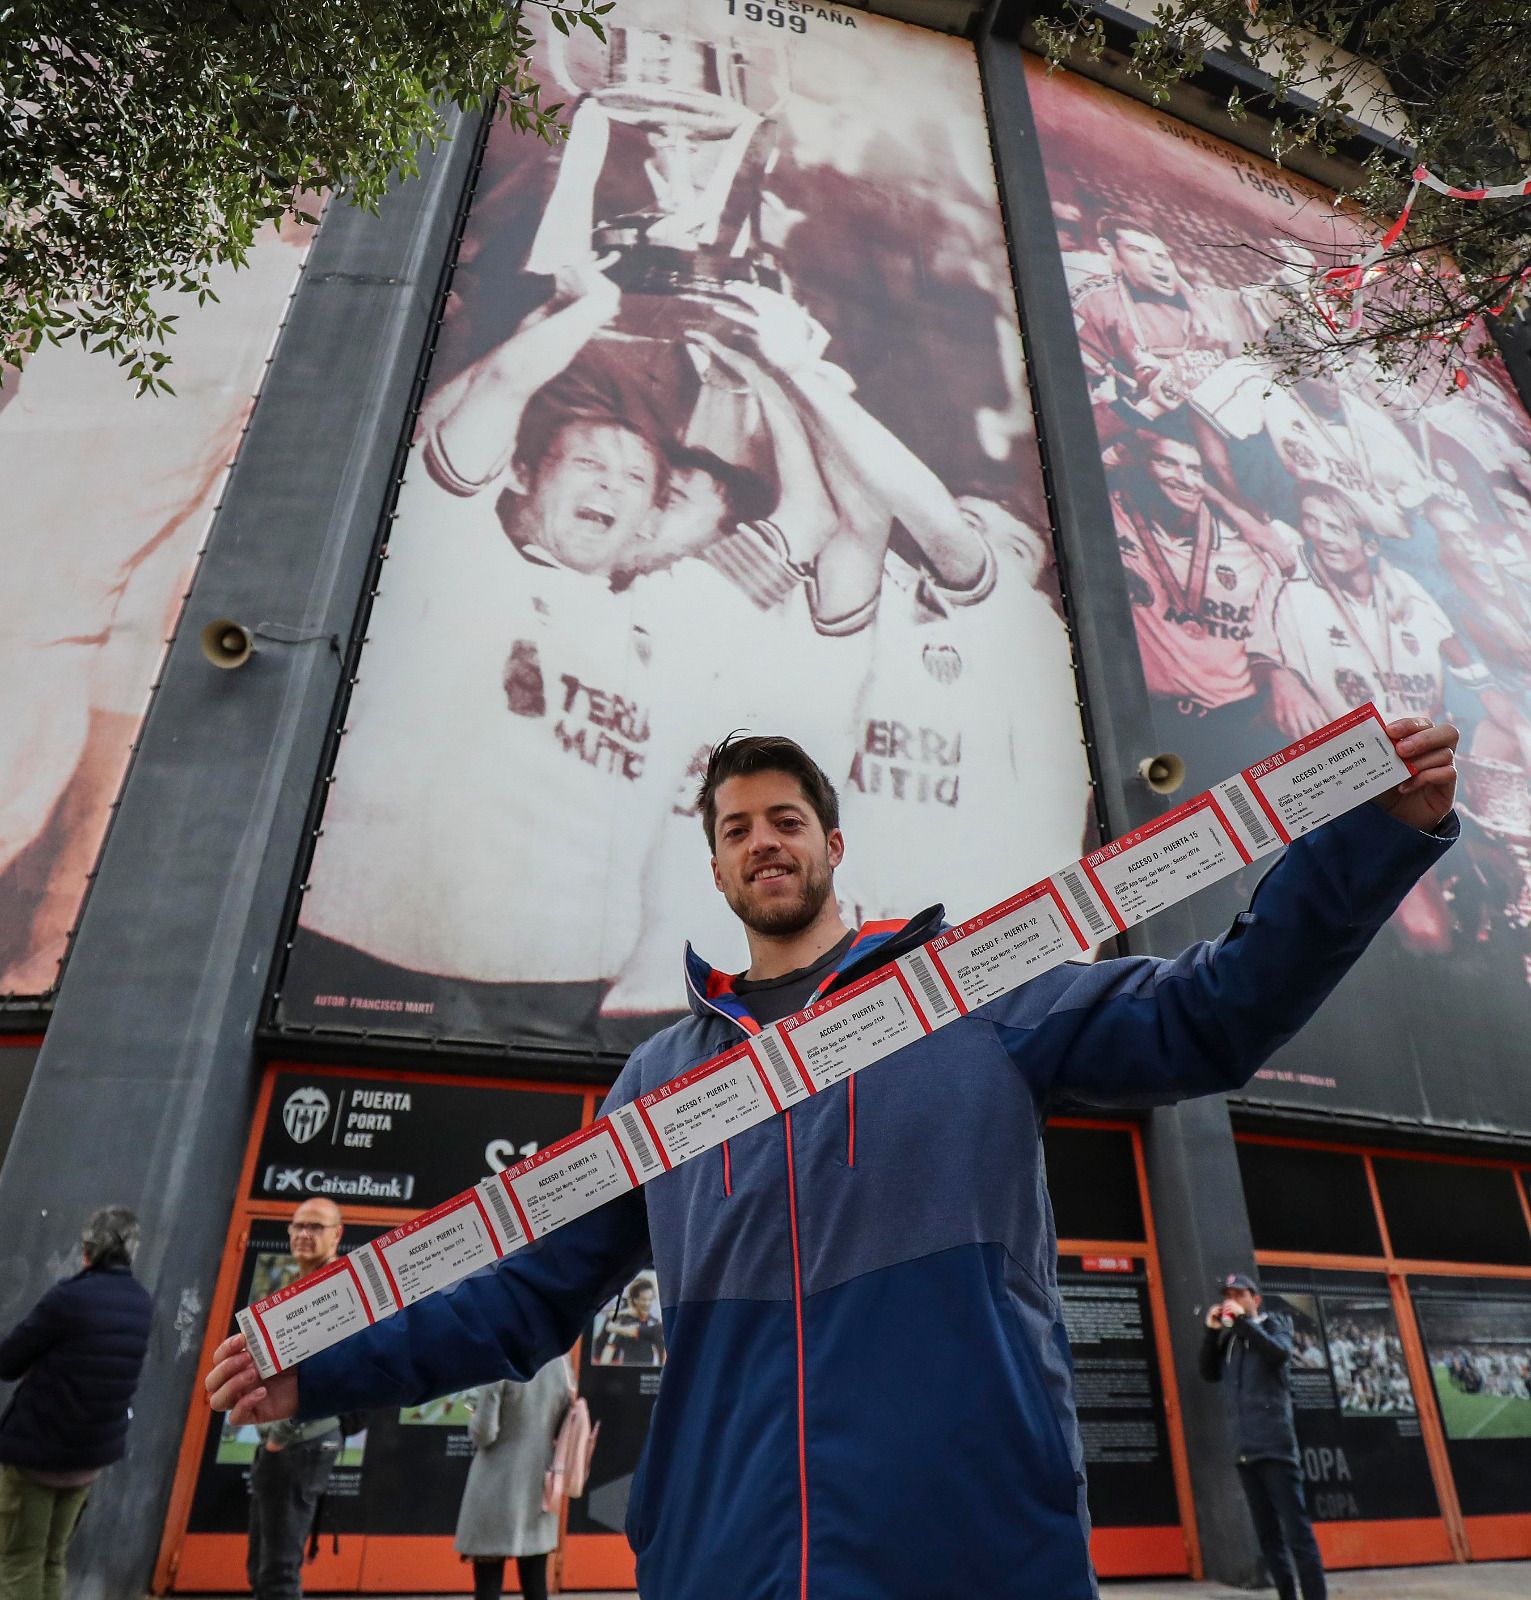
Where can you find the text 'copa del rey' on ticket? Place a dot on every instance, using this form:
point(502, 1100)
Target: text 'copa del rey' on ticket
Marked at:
point(1160, 864)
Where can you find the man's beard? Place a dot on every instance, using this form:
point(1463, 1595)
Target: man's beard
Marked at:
point(784, 917)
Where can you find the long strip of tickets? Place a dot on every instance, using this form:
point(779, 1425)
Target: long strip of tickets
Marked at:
point(1106, 892)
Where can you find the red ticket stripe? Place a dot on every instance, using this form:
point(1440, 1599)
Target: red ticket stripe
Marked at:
point(903, 983)
point(393, 1283)
point(934, 958)
point(1238, 843)
point(260, 1322)
point(515, 1204)
point(1064, 912)
point(604, 1123)
point(361, 1293)
point(1105, 899)
point(559, 1147)
point(643, 1112)
point(494, 1238)
point(765, 1079)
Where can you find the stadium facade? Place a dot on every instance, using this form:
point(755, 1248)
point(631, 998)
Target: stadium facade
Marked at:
point(846, 375)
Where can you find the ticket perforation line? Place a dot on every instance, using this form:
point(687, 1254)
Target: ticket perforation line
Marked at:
point(495, 1196)
point(361, 1292)
point(1069, 878)
point(494, 1238)
point(1314, 779)
point(935, 984)
point(789, 1071)
point(1243, 801)
point(763, 1075)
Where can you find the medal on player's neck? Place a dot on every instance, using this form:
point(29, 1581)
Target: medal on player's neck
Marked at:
point(1185, 595)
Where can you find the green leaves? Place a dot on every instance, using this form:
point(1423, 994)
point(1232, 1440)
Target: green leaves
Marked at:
point(146, 143)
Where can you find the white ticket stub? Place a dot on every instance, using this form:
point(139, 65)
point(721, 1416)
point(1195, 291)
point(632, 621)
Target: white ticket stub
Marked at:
point(437, 1248)
point(1165, 861)
point(993, 953)
point(854, 1027)
point(1246, 816)
point(788, 1085)
point(305, 1317)
point(501, 1213)
point(713, 1102)
point(1327, 773)
point(1250, 815)
point(568, 1179)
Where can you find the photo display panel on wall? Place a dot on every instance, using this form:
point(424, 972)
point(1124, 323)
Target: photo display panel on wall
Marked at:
point(1117, 1391)
point(1292, 550)
point(1354, 1406)
point(1477, 1338)
point(622, 1361)
point(727, 429)
point(109, 498)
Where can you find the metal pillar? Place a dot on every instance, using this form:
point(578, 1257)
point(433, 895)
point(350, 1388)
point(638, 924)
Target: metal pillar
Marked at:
point(1193, 1177)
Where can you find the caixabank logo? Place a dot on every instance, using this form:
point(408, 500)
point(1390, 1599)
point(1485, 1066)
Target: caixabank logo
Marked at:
point(297, 1183)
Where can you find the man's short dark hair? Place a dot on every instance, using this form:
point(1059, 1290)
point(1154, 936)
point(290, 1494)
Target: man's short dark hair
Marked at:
point(747, 495)
point(1115, 223)
point(111, 1237)
point(742, 756)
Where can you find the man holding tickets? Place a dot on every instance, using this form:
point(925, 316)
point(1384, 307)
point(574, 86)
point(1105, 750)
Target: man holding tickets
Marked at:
point(805, 1426)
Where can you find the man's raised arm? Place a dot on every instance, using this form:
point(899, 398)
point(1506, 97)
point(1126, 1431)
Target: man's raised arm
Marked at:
point(1145, 1031)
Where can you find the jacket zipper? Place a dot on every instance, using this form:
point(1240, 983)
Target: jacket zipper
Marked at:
point(749, 1026)
point(802, 1418)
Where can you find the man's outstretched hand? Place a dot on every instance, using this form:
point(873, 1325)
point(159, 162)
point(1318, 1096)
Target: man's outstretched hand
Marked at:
point(235, 1385)
point(1430, 748)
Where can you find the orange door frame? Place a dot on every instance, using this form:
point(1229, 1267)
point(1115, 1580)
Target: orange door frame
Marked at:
point(592, 1557)
point(350, 1570)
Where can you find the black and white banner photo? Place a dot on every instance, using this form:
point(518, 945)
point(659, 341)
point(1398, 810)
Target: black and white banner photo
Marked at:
point(727, 428)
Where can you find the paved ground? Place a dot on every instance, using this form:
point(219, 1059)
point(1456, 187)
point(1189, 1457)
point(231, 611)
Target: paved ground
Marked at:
point(1507, 1580)
point(1497, 1580)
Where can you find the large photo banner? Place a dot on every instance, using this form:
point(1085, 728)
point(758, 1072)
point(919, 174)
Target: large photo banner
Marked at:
point(108, 500)
point(1293, 549)
point(727, 429)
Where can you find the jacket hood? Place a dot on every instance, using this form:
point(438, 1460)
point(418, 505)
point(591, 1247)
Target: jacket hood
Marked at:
point(711, 992)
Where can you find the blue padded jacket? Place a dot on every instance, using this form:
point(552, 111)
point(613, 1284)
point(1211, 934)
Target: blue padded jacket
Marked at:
point(78, 1354)
point(867, 1395)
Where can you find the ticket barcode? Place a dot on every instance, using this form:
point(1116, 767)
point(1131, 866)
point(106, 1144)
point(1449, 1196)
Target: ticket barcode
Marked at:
point(936, 997)
point(377, 1286)
point(776, 1059)
point(630, 1124)
point(1248, 817)
point(1083, 903)
point(254, 1343)
point(510, 1229)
